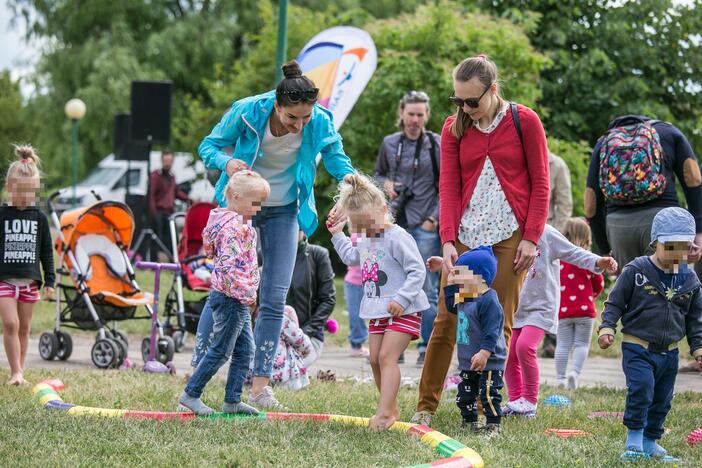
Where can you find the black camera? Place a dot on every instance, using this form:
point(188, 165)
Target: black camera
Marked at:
point(399, 204)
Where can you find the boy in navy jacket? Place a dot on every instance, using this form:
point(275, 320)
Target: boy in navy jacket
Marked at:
point(659, 301)
point(480, 340)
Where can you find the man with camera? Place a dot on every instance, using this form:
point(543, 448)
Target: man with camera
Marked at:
point(408, 169)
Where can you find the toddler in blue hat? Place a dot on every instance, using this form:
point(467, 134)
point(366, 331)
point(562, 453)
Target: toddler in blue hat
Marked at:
point(479, 335)
point(659, 301)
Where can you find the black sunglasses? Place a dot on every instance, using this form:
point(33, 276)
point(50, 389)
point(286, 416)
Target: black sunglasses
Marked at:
point(473, 103)
point(299, 95)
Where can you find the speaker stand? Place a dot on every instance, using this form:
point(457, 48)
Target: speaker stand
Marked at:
point(147, 234)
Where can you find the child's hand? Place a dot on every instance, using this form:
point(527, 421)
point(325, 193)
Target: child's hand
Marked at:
point(434, 263)
point(395, 309)
point(479, 360)
point(335, 228)
point(699, 361)
point(48, 292)
point(605, 341)
point(608, 264)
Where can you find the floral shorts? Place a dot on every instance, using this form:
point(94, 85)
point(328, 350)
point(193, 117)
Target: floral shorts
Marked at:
point(28, 294)
point(410, 324)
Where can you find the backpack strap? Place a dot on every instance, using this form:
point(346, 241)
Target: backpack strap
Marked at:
point(434, 160)
point(515, 119)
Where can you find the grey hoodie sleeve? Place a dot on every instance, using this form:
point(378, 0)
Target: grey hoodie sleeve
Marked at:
point(617, 302)
point(406, 252)
point(347, 252)
point(693, 325)
point(564, 250)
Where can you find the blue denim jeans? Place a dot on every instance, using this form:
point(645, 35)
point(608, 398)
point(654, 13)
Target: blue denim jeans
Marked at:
point(429, 244)
point(650, 378)
point(358, 331)
point(231, 336)
point(278, 230)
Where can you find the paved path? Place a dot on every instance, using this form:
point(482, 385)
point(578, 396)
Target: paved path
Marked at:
point(598, 371)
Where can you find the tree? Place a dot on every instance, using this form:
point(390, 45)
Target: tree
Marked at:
point(95, 51)
point(610, 59)
point(14, 127)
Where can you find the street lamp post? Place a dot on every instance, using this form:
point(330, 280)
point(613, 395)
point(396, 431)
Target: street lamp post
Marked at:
point(75, 110)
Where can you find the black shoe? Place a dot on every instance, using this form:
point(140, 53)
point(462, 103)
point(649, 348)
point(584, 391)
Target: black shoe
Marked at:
point(401, 359)
point(420, 359)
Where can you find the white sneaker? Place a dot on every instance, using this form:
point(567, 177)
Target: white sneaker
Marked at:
point(528, 409)
point(515, 406)
point(520, 407)
point(572, 381)
point(266, 400)
point(561, 383)
point(360, 352)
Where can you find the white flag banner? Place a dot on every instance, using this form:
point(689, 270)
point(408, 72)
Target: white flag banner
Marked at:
point(340, 61)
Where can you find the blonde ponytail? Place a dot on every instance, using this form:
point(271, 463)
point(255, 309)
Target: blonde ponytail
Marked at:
point(359, 194)
point(26, 166)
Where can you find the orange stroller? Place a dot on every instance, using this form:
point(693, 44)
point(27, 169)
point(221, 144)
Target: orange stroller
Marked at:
point(92, 250)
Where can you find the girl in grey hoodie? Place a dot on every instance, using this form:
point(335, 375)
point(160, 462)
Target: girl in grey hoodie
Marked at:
point(538, 313)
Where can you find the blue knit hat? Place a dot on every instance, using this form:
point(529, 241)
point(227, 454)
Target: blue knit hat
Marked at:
point(481, 261)
point(673, 224)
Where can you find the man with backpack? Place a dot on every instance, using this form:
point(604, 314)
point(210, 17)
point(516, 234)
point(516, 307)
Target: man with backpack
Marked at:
point(408, 169)
point(632, 177)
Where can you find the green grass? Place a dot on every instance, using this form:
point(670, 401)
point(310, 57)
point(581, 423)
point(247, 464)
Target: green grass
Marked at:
point(31, 435)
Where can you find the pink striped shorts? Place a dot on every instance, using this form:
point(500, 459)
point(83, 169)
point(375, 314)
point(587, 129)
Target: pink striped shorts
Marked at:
point(410, 324)
point(28, 294)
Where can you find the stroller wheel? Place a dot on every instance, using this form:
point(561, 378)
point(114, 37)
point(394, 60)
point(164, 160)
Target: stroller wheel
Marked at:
point(121, 351)
point(120, 335)
point(168, 329)
point(166, 349)
point(65, 345)
point(104, 353)
point(48, 346)
point(145, 345)
point(178, 340)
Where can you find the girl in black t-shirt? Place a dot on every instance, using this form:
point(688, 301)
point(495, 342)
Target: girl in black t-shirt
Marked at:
point(25, 243)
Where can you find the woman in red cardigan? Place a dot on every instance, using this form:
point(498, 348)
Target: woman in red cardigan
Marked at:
point(493, 190)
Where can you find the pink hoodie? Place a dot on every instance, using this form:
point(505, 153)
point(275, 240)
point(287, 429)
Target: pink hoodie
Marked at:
point(231, 242)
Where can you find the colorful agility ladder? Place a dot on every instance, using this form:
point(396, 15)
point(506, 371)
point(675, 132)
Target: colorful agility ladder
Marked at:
point(456, 454)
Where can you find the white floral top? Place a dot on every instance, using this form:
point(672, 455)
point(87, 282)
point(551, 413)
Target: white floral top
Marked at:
point(488, 218)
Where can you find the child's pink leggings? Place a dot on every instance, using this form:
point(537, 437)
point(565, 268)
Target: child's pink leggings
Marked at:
point(522, 370)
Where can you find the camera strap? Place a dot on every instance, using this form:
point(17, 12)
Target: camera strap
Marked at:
point(417, 154)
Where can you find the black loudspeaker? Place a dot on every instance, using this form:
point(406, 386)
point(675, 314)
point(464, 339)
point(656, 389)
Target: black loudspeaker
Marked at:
point(122, 128)
point(151, 111)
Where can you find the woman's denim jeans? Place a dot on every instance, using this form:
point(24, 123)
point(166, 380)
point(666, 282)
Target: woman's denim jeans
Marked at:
point(358, 333)
point(429, 245)
point(231, 335)
point(278, 230)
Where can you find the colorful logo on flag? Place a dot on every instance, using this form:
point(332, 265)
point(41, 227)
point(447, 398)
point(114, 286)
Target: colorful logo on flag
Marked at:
point(340, 61)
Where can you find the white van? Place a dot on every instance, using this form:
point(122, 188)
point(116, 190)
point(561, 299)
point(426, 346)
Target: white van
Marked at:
point(111, 176)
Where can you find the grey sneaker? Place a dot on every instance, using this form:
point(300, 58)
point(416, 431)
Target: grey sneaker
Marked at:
point(238, 408)
point(490, 430)
point(422, 417)
point(572, 381)
point(187, 403)
point(266, 400)
point(474, 426)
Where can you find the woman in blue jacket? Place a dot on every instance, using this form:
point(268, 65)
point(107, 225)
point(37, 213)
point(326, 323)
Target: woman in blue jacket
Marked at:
point(278, 134)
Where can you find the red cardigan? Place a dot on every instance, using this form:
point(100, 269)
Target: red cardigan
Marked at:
point(522, 172)
point(579, 288)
